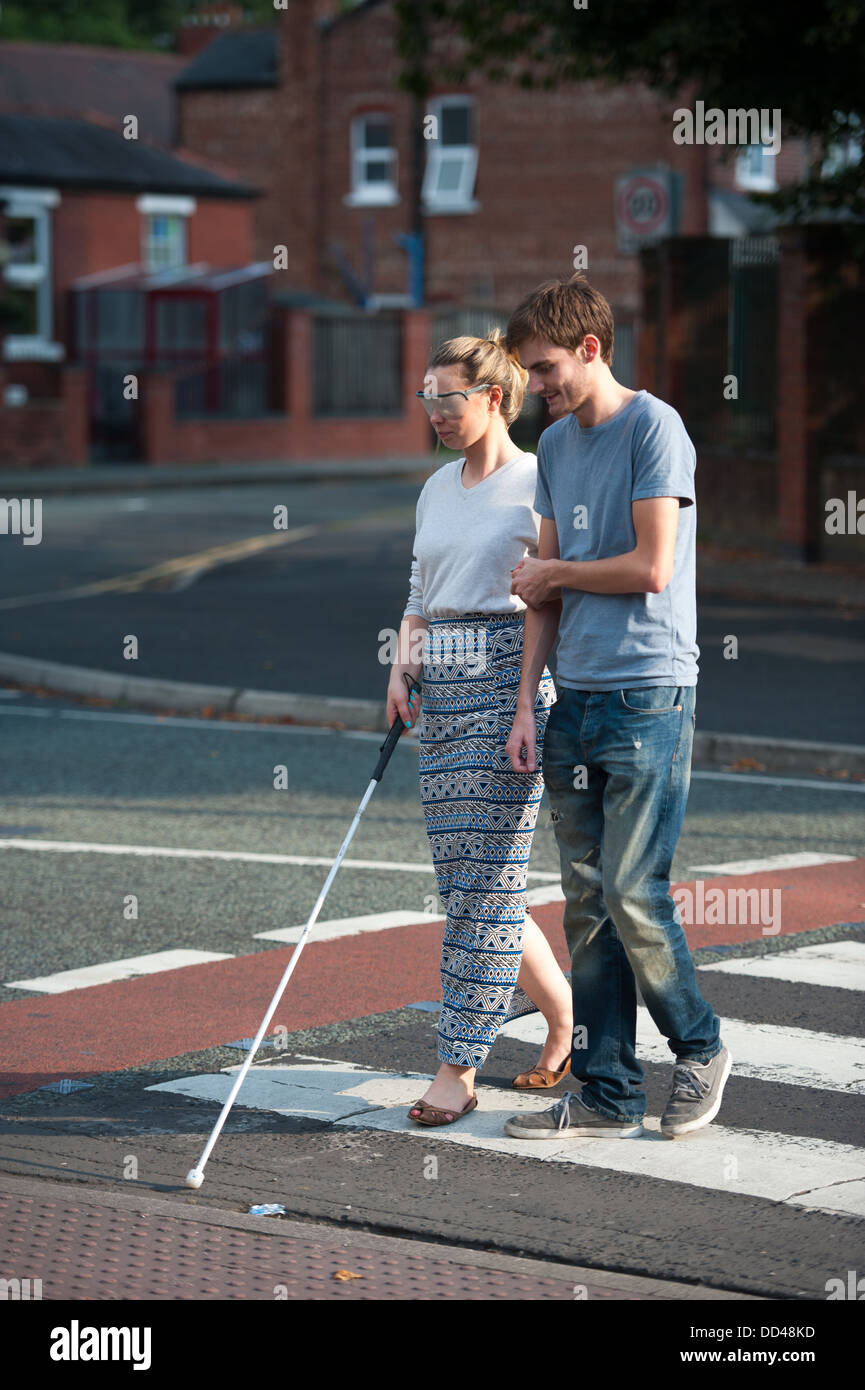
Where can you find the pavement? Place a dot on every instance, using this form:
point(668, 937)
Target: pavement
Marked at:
point(97, 1245)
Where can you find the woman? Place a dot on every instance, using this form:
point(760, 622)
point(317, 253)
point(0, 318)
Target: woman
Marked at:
point(463, 627)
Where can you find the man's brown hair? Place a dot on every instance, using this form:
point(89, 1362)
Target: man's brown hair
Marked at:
point(563, 312)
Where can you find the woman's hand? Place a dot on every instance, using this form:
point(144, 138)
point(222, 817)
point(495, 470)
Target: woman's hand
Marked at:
point(523, 735)
point(399, 702)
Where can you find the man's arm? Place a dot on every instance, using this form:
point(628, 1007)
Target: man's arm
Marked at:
point(647, 569)
point(539, 634)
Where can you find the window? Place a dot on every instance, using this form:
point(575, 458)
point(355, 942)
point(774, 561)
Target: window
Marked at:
point(25, 297)
point(373, 162)
point(844, 153)
point(452, 157)
point(165, 242)
point(164, 239)
point(755, 169)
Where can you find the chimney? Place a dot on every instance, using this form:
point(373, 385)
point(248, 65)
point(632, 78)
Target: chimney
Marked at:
point(198, 28)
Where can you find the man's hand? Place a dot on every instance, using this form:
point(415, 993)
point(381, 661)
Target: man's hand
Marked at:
point(522, 737)
point(532, 582)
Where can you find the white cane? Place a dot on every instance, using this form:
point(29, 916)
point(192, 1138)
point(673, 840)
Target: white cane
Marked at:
point(195, 1176)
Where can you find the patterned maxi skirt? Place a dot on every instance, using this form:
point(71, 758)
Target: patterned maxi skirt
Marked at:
point(480, 817)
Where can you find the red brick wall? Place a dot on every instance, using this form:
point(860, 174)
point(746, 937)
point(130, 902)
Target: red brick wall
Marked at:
point(298, 434)
point(220, 233)
point(240, 129)
point(46, 433)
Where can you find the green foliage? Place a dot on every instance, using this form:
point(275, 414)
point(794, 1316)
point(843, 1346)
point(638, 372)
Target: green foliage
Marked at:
point(113, 23)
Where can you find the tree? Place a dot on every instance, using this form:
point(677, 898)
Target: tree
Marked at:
point(807, 62)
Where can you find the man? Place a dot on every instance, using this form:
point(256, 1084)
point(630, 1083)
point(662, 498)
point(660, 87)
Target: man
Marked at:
point(615, 576)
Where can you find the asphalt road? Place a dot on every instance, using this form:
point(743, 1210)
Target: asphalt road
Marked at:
point(305, 616)
point(85, 778)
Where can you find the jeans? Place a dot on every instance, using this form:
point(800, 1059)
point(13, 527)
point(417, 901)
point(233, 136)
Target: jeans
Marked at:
point(617, 767)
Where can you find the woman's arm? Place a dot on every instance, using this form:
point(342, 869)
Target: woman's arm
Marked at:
point(539, 634)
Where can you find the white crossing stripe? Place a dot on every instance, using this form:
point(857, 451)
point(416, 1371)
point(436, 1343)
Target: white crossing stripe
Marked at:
point(246, 856)
point(384, 921)
point(110, 970)
point(797, 1171)
point(806, 859)
point(349, 926)
point(832, 964)
point(789, 1056)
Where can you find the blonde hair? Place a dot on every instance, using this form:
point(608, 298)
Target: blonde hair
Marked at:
point(487, 359)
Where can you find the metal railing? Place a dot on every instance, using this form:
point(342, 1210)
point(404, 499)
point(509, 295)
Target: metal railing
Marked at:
point(357, 364)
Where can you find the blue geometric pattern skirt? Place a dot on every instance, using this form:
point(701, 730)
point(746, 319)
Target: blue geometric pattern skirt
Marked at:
point(480, 817)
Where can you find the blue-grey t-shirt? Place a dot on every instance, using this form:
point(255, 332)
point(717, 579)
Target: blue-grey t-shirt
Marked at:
point(587, 480)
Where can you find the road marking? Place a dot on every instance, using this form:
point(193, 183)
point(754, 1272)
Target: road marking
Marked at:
point(246, 856)
point(831, 964)
point(168, 569)
point(109, 970)
point(804, 860)
point(797, 1171)
point(787, 1056)
point(349, 926)
point(409, 740)
point(385, 921)
point(175, 720)
point(780, 781)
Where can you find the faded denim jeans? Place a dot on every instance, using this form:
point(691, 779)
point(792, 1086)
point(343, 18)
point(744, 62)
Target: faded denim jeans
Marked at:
point(617, 767)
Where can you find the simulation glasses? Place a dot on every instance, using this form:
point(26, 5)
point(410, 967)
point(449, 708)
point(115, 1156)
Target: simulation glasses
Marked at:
point(452, 404)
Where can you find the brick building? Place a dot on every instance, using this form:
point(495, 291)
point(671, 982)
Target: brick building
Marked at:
point(81, 207)
point(512, 183)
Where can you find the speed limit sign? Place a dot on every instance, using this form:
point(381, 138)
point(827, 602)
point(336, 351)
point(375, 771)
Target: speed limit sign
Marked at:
point(644, 207)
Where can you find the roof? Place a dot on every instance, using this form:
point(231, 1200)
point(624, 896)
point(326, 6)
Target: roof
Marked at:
point(238, 58)
point(42, 150)
point(49, 78)
point(755, 216)
point(200, 276)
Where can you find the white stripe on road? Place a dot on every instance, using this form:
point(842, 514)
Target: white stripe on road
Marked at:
point(246, 856)
point(384, 921)
point(110, 970)
point(797, 1171)
point(410, 740)
point(228, 725)
point(773, 781)
point(789, 1056)
point(349, 926)
point(832, 964)
point(806, 859)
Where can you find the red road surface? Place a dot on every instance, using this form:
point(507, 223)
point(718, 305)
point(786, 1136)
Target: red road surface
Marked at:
point(110, 1027)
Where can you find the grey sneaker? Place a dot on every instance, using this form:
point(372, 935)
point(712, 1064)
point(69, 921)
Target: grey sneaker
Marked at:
point(696, 1095)
point(570, 1118)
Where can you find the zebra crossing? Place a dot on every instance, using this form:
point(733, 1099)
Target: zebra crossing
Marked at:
point(791, 1095)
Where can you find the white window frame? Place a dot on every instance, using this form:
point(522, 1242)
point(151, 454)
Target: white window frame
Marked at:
point(746, 177)
point(35, 203)
point(462, 200)
point(152, 205)
point(375, 193)
point(841, 154)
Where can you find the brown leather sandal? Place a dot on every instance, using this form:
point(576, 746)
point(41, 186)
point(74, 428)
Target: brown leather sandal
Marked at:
point(438, 1113)
point(541, 1078)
